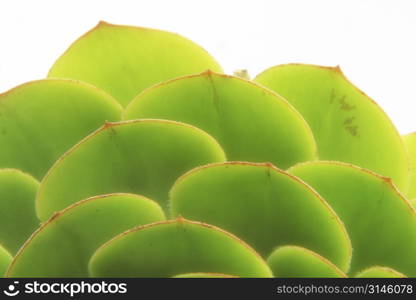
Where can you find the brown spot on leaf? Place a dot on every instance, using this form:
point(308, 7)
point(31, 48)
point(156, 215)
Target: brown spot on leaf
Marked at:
point(348, 121)
point(332, 96)
point(352, 129)
point(344, 104)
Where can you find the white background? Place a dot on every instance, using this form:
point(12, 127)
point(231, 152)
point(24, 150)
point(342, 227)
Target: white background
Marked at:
point(374, 42)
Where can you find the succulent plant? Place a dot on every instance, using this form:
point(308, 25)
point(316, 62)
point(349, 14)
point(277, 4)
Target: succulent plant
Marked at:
point(138, 157)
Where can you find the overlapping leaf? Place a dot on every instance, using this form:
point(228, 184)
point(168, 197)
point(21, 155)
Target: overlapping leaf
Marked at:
point(348, 125)
point(40, 120)
point(380, 222)
point(264, 206)
point(64, 244)
point(175, 247)
point(294, 261)
point(142, 156)
point(251, 123)
point(124, 60)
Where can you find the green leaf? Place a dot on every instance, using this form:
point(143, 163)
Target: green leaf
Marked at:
point(264, 206)
point(347, 124)
point(294, 261)
point(176, 247)
point(380, 222)
point(379, 272)
point(64, 244)
point(203, 275)
point(251, 123)
point(124, 60)
point(40, 120)
point(5, 259)
point(410, 142)
point(142, 156)
point(17, 208)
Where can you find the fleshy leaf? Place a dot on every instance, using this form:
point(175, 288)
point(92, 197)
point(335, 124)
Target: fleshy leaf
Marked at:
point(410, 142)
point(203, 275)
point(294, 261)
point(142, 156)
point(379, 272)
point(40, 120)
point(5, 259)
point(18, 219)
point(176, 247)
point(380, 222)
point(124, 60)
point(347, 124)
point(64, 244)
point(251, 123)
point(264, 206)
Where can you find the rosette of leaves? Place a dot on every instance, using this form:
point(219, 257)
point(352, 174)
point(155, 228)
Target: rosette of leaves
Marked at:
point(137, 157)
